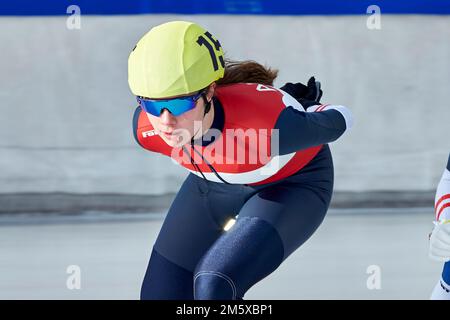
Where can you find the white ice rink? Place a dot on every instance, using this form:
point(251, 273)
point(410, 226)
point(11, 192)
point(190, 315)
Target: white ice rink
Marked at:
point(112, 251)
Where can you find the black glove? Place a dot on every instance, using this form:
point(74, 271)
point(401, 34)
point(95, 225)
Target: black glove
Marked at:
point(308, 95)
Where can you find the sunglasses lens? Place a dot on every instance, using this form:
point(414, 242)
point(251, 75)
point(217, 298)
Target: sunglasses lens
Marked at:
point(176, 106)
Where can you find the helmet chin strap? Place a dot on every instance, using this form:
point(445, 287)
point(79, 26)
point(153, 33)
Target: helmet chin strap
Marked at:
point(207, 105)
point(207, 109)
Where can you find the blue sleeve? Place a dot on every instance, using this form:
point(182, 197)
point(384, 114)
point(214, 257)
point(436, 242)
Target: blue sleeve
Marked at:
point(448, 163)
point(137, 112)
point(298, 130)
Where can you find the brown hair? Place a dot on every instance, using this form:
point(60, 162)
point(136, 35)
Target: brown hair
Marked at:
point(247, 71)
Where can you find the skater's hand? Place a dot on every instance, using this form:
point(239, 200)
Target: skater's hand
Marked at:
point(307, 95)
point(314, 90)
point(311, 91)
point(440, 241)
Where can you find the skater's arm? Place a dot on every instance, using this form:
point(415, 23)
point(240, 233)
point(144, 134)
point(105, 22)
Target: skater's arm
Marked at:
point(298, 130)
point(440, 237)
point(442, 198)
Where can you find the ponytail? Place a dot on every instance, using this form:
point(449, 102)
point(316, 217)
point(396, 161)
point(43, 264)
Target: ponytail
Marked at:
point(247, 72)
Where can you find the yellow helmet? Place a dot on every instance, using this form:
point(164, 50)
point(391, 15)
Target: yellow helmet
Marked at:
point(174, 58)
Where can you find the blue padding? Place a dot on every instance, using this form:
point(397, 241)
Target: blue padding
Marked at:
point(247, 253)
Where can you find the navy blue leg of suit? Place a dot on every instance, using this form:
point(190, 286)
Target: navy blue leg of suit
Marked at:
point(193, 258)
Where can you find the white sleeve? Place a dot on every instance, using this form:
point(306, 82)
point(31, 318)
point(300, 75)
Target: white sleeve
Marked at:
point(344, 111)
